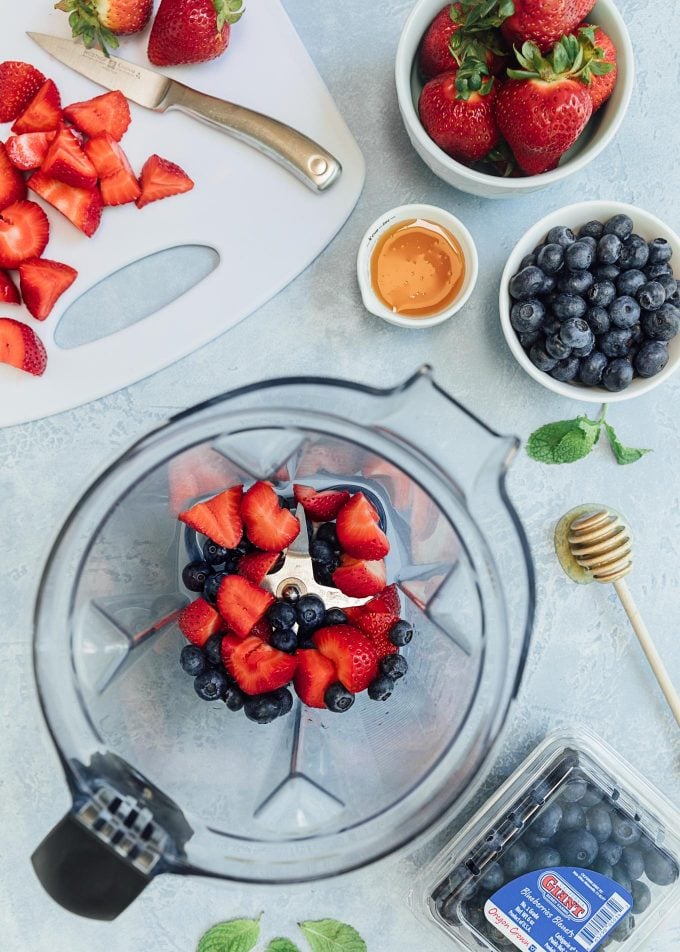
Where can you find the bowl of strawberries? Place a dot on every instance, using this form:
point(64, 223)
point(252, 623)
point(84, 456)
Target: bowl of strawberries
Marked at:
point(500, 97)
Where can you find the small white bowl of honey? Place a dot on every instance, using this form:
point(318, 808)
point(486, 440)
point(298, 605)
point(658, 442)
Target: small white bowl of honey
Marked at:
point(417, 266)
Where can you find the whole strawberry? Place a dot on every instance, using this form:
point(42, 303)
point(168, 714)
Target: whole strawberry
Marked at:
point(192, 31)
point(465, 128)
point(542, 22)
point(599, 49)
point(100, 22)
point(441, 50)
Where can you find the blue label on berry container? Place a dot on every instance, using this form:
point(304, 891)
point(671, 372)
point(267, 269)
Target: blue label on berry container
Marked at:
point(565, 909)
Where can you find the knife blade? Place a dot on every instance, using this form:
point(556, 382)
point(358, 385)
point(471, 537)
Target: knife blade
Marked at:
point(303, 157)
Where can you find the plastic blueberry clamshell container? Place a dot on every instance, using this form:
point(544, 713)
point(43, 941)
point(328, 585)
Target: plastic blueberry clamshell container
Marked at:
point(575, 852)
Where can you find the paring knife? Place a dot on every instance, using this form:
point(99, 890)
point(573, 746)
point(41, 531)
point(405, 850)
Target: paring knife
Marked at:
point(307, 160)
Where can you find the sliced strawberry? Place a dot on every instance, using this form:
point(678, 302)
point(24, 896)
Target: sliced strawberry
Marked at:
point(19, 82)
point(358, 531)
point(377, 629)
point(24, 231)
point(320, 506)
point(219, 518)
point(42, 284)
point(21, 348)
point(106, 155)
point(8, 291)
point(268, 526)
point(358, 578)
point(242, 604)
point(199, 621)
point(109, 112)
point(161, 178)
point(43, 113)
point(352, 654)
point(120, 189)
point(12, 185)
point(315, 674)
point(66, 161)
point(255, 666)
point(28, 151)
point(255, 565)
point(353, 613)
point(387, 602)
point(82, 206)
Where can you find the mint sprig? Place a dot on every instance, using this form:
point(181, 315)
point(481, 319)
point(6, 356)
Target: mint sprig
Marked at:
point(567, 441)
point(241, 935)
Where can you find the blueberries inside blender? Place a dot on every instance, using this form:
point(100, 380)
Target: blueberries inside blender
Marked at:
point(192, 660)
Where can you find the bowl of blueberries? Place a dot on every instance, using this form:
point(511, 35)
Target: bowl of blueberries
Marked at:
point(589, 303)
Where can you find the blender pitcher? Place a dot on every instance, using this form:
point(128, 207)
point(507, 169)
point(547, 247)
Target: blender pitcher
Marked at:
point(162, 782)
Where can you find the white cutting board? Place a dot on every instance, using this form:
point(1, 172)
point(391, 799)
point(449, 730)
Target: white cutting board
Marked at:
point(265, 224)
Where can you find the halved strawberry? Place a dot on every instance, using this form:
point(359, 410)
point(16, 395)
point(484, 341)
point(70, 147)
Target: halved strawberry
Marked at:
point(8, 291)
point(268, 526)
point(255, 666)
point(28, 151)
point(255, 565)
point(106, 155)
point(199, 621)
point(352, 654)
point(24, 231)
point(242, 604)
point(82, 206)
point(43, 113)
point(358, 531)
point(387, 602)
point(377, 629)
point(320, 506)
point(219, 518)
point(19, 82)
point(42, 284)
point(12, 185)
point(353, 613)
point(66, 161)
point(120, 189)
point(358, 578)
point(315, 674)
point(109, 112)
point(161, 178)
point(21, 348)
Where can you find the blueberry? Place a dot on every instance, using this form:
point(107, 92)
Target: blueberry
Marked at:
point(323, 554)
point(527, 316)
point(623, 929)
point(618, 375)
point(211, 685)
point(598, 320)
point(212, 586)
point(591, 368)
point(624, 831)
point(545, 856)
point(670, 286)
point(601, 293)
point(305, 637)
point(660, 868)
point(630, 282)
point(550, 258)
point(278, 565)
point(556, 347)
point(619, 225)
point(573, 817)
point(234, 697)
point(324, 575)
point(651, 358)
point(284, 639)
point(592, 796)
point(560, 235)
point(281, 615)
point(492, 878)
point(534, 841)
point(541, 791)
point(528, 340)
point(574, 790)
point(381, 688)
point(599, 822)
point(565, 370)
point(606, 272)
point(578, 256)
point(567, 306)
point(192, 660)
point(575, 282)
point(194, 575)
point(291, 594)
point(578, 847)
point(576, 333)
point(624, 312)
point(212, 649)
point(285, 699)
point(401, 633)
point(662, 324)
point(540, 358)
point(595, 229)
point(394, 666)
point(591, 242)
point(610, 852)
point(620, 876)
point(527, 260)
point(551, 326)
point(548, 286)
point(642, 897)
point(213, 553)
point(654, 271)
point(310, 611)
point(547, 823)
point(615, 343)
point(526, 283)
point(634, 253)
point(633, 862)
point(335, 616)
point(660, 251)
point(600, 866)
point(328, 533)
point(608, 249)
point(262, 708)
point(516, 860)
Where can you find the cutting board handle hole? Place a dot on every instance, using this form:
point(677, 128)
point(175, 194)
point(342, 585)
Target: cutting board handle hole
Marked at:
point(134, 292)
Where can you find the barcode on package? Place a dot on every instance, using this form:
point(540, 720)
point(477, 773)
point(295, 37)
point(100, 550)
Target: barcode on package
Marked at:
point(599, 925)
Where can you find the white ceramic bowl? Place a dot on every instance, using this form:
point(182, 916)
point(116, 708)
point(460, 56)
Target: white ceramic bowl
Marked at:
point(598, 134)
point(646, 225)
point(373, 234)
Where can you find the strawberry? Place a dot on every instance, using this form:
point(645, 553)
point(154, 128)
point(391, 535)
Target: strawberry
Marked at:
point(66, 161)
point(161, 178)
point(192, 31)
point(320, 506)
point(255, 666)
point(8, 291)
point(268, 526)
point(21, 348)
point(100, 22)
point(106, 155)
point(386, 603)
point(352, 654)
point(463, 128)
point(28, 151)
point(358, 531)
point(219, 518)
point(82, 206)
point(377, 627)
point(42, 284)
point(314, 675)
point(445, 47)
point(544, 22)
point(24, 231)
point(599, 49)
point(19, 82)
point(43, 113)
point(12, 185)
point(353, 613)
point(199, 621)
point(109, 112)
point(242, 604)
point(120, 189)
point(255, 565)
point(358, 578)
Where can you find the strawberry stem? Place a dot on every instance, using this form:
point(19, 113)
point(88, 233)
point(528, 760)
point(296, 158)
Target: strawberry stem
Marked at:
point(228, 11)
point(85, 23)
point(572, 57)
point(476, 16)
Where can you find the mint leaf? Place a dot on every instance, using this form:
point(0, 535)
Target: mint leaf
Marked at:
point(564, 441)
point(282, 945)
point(624, 454)
point(574, 445)
point(329, 935)
point(239, 935)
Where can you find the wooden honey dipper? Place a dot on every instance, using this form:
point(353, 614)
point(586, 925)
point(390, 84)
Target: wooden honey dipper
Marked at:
point(600, 543)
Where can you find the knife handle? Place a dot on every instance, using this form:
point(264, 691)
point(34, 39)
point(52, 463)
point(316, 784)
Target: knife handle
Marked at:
point(305, 158)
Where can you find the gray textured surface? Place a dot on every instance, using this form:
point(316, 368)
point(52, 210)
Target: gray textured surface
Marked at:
point(584, 667)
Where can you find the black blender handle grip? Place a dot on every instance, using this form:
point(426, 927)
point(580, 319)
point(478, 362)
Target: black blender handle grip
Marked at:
point(83, 874)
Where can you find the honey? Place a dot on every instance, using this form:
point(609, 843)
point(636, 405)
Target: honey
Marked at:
point(417, 268)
